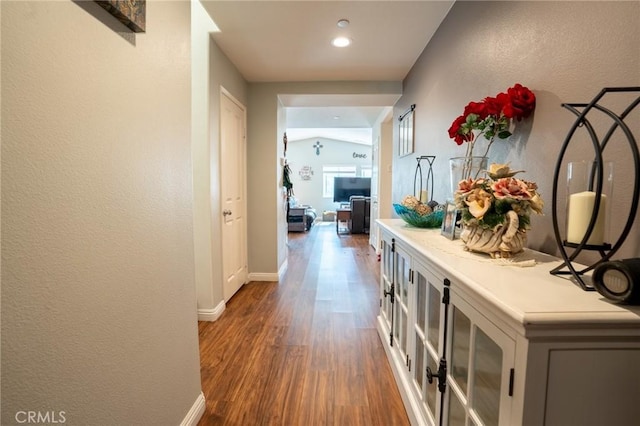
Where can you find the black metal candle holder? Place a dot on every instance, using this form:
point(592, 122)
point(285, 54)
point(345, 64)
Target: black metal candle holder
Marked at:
point(595, 183)
point(417, 178)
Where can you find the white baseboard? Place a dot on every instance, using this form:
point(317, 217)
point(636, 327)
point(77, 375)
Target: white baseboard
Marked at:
point(195, 413)
point(270, 276)
point(211, 314)
point(263, 276)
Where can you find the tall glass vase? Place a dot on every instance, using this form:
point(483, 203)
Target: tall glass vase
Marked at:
point(462, 168)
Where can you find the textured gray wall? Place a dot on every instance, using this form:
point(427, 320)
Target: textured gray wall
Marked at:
point(98, 292)
point(564, 52)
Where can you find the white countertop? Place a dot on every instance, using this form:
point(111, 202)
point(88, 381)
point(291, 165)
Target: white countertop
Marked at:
point(527, 295)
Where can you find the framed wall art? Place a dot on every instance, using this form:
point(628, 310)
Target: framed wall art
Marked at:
point(132, 13)
point(406, 132)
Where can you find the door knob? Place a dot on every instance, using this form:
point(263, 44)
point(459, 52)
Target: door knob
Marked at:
point(226, 212)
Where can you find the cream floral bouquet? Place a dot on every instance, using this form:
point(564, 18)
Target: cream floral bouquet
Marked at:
point(484, 202)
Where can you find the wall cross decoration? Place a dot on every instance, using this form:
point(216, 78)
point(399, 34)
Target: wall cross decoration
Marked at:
point(317, 147)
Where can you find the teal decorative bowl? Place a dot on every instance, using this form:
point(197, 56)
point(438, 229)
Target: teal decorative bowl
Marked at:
point(431, 220)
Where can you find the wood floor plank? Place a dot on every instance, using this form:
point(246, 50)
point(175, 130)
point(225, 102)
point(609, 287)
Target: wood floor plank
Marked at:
point(352, 416)
point(284, 403)
point(323, 349)
point(318, 407)
point(380, 386)
point(304, 351)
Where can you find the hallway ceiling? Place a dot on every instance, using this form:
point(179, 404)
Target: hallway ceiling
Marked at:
point(290, 41)
point(270, 41)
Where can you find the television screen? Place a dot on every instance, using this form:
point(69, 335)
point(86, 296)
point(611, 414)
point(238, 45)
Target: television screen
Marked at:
point(345, 187)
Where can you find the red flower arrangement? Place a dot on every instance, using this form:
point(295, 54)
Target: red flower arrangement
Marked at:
point(492, 117)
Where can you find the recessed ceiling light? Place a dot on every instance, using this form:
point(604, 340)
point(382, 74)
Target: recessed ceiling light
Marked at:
point(341, 41)
point(336, 117)
point(343, 23)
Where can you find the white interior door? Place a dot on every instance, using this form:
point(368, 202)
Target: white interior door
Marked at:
point(233, 194)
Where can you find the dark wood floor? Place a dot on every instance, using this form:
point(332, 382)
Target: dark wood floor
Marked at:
point(304, 351)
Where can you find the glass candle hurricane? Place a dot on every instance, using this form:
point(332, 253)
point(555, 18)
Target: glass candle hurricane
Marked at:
point(582, 190)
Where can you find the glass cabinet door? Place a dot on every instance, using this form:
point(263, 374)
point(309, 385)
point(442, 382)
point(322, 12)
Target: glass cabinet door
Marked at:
point(387, 258)
point(386, 280)
point(480, 358)
point(401, 305)
point(427, 338)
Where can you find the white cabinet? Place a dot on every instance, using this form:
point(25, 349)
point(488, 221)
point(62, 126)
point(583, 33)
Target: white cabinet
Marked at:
point(387, 266)
point(428, 338)
point(481, 361)
point(473, 342)
point(401, 302)
point(395, 288)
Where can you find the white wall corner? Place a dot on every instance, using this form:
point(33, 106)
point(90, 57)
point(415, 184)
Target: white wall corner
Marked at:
point(283, 269)
point(195, 413)
point(211, 314)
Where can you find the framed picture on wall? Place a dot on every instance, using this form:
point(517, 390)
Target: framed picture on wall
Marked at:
point(131, 13)
point(406, 132)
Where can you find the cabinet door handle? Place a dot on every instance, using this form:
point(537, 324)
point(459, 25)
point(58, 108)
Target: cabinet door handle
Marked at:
point(429, 375)
point(441, 375)
point(390, 293)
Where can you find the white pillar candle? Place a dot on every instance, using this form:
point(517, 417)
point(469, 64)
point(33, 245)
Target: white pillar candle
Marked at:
point(423, 196)
point(579, 216)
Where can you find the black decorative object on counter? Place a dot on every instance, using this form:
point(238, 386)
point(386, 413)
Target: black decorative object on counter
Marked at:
point(596, 183)
point(420, 210)
point(428, 183)
point(619, 280)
